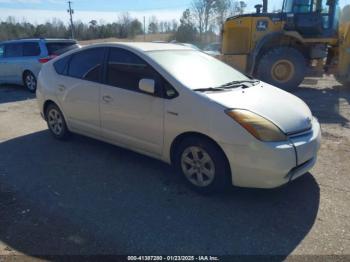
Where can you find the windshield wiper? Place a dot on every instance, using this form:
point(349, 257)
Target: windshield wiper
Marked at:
point(240, 83)
point(209, 89)
point(232, 84)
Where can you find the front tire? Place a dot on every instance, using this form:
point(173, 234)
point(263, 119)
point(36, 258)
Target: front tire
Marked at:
point(56, 122)
point(283, 67)
point(203, 165)
point(29, 81)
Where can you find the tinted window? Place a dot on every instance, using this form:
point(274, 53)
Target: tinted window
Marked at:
point(66, 49)
point(61, 65)
point(2, 50)
point(87, 64)
point(13, 50)
point(31, 49)
point(125, 70)
point(54, 48)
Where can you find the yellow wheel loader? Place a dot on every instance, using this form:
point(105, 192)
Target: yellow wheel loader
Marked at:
point(282, 48)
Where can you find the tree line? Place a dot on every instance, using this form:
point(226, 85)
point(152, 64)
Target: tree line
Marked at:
point(205, 18)
point(202, 18)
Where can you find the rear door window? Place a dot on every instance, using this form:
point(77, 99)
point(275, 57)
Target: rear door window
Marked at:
point(54, 48)
point(31, 49)
point(87, 64)
point(13, 50)
point(61, 65)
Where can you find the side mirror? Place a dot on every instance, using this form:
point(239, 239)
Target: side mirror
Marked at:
point(147, 85)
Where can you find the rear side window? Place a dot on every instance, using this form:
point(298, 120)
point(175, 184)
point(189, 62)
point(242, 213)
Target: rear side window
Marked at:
point(31, 49)
point(13, 50)
point(54, 48)
point(61, 65)
point(87, 64)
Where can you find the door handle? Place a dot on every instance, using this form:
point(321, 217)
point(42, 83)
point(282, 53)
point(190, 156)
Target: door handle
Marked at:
point(107, 99)
point(61, 88)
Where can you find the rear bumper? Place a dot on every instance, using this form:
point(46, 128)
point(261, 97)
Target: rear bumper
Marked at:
point(270, 165)
point(40, 99)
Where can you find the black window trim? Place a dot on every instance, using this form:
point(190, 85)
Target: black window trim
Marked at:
point(128, 64)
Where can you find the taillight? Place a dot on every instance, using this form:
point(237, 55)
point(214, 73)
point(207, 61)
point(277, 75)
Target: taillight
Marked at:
point(44, 60)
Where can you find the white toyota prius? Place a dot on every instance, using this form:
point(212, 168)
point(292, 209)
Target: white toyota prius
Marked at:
point(171, 102)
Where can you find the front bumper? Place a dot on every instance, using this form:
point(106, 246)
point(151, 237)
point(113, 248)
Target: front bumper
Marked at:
point(270, 165)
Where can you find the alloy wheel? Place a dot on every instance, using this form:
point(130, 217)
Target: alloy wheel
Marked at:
point(30, 82)
point(55, 121)
point(198, 166)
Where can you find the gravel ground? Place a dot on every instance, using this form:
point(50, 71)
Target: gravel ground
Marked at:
point(87, 197)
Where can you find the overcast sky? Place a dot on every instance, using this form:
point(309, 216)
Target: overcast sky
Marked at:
point(40, 11)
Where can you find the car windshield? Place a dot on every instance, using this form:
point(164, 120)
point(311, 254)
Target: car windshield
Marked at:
point(195, 69)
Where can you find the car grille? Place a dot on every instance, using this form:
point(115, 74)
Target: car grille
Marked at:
point(304, 132)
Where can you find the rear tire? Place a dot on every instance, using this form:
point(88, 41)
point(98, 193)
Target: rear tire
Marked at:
point(283, 67)
point(56, 122)
point(29, 81)
point(203, 165)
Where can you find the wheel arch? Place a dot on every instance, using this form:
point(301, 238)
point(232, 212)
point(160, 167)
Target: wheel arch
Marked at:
point(275, 39)
point(25, 71)
point(46, 105)
point(177, 141)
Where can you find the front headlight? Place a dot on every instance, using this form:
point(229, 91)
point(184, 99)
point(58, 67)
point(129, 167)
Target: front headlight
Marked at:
point(259, 127)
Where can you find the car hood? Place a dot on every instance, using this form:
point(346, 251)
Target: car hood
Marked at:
point(212, 53)
point(285, 110)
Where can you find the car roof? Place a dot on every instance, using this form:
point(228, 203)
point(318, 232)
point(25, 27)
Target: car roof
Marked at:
point(146, 46)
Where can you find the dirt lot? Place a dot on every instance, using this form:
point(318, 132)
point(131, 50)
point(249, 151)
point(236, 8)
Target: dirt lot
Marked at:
point(88, 197)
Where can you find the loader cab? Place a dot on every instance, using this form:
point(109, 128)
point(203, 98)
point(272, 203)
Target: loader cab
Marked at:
point(312, 18)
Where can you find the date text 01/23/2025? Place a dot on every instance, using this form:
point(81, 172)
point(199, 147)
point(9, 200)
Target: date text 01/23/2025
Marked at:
point(173, 258)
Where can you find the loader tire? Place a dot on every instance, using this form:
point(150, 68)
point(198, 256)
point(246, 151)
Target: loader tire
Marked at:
point(283, 67)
